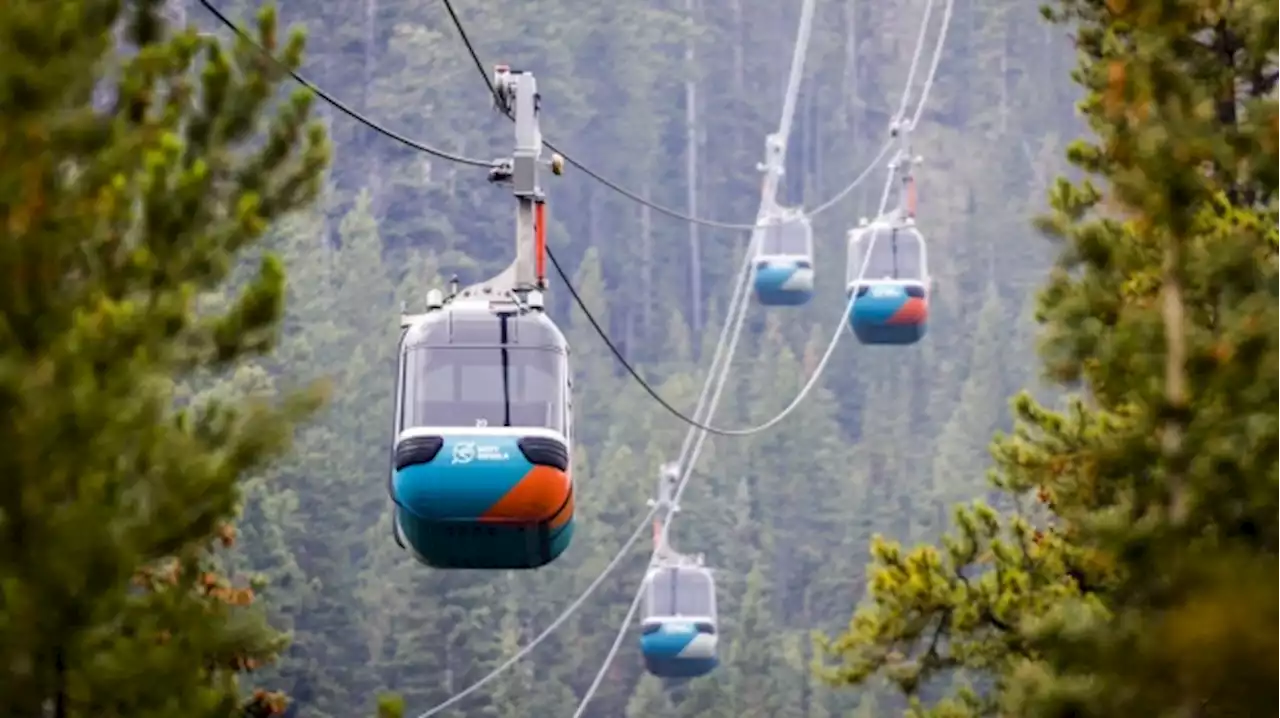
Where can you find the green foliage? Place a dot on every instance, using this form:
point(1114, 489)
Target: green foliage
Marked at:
point(115, 220)
point(390, 706)
point(885, 441)
point(1148, 587)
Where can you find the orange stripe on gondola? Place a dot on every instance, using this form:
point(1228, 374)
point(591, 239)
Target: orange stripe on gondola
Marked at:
point(543, 494)
point(912, 311)
point(565, 514)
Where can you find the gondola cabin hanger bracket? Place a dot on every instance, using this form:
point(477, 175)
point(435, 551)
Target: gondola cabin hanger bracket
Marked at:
point(481, 463)
point(520, 287)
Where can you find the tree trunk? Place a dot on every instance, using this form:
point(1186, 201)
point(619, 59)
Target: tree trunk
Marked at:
point(691, 177)
point(1003, 114)
point(373, 171)
point(739, 69)
point(1173, 315)
point(646, 264)
point(852, 93)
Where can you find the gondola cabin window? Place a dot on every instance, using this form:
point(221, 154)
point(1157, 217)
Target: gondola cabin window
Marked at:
point(896, 254)
point(785, 239)
point(477, 373)
point(680, 592)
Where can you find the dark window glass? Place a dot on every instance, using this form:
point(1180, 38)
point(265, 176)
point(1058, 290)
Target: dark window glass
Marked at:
point(786, 239)
point(695, 594)
point(661, 599)
point(677, 592)
point(895, 255)
point(456, 386)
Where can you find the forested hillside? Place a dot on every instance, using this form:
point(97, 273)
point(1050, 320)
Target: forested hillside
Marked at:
point(671, 100)
point(205, 256)
point(889, 441)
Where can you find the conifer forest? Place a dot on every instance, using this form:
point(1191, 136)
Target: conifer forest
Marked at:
point(1043, 484)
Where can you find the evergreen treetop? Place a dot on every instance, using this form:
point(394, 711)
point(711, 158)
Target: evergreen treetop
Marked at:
point(1145, 582)
point(136, 164)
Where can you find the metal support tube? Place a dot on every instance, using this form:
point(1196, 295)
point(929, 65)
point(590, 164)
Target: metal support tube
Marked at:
point(903, 164)
point(797, 72)
point(775, 145)
point(524, 177)
point(665, 503)
point(516, 95)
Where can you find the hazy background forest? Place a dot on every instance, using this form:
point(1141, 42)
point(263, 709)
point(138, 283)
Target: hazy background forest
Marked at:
point(889, 442)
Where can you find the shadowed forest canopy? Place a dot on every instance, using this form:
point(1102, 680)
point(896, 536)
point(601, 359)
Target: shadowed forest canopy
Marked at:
point(193, 245)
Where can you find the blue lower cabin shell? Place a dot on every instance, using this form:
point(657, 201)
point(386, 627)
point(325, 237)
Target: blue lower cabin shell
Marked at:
point(889, 318)
point(479, 502)
point(686, 654)
point(784, 284)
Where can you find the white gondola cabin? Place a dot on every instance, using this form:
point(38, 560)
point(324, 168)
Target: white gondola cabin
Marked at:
point(784, 260)
point(888, 282)
point(483, 437)
point(678, 629)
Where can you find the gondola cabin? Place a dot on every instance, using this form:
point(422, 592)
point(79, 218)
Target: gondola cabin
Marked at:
point(480, 472)
point(784, 261)
point(888, 283)
point(678, 632)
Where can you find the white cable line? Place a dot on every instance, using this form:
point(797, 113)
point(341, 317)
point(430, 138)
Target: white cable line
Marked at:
point(635, 603)
point(734, 315)
point(852, 185)
point(688, 461)
point(695, 439)
point(933, 65)
point(613, 649)
point(884, 195)
point(915, 60)
point(736, 310)
point(617, 559)
point(701, 433)
point(686, 468)
point(798, 54)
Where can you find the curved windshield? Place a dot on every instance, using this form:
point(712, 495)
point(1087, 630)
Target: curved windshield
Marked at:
point(672, 592)
point(895, 254)
point(483, 386)
point(786, 238)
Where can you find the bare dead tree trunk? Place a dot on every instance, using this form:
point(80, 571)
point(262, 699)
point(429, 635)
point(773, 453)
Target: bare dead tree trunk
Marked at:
point(852, 97)
point(691, 176)
point(373, 176)
point(739, 68)
point(1004, 76)
point(646, 263)
point(1173, 315)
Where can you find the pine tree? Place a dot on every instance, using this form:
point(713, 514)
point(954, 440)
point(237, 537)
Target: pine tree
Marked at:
point(1179, 499)
point(650, 700)
point(1152, 589)
point(114, 220)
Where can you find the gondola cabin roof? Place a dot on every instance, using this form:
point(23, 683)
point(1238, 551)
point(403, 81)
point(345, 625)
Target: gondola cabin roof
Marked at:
point(681, 571)
point(476, 323)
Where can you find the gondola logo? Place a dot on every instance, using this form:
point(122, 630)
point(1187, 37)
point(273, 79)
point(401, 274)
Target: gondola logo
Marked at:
point(884, 290)
point(464, 452)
